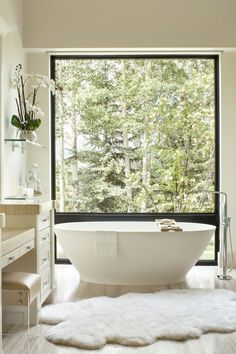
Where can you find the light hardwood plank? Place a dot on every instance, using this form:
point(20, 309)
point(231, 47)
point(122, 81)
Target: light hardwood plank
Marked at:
point(69, 288)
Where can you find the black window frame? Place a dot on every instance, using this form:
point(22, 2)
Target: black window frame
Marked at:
point(207, 218)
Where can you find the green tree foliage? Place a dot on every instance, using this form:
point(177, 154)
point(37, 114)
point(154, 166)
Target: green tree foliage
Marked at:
point(135, 135)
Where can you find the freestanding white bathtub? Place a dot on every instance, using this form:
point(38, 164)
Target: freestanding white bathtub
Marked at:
point(132, 253)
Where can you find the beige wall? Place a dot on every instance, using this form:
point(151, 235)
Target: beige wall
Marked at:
point(129, 23)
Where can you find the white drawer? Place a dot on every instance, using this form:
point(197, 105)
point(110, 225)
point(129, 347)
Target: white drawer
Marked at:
point(44, 221)
point(44, 237)
point(27, 247)
point(14, 297)
point(10, 257)
point(44, 257)
point(45, 282)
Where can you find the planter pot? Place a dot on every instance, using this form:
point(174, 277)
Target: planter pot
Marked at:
point(30, 135)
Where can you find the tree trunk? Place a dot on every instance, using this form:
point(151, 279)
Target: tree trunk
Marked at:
point(145, 145)
point(145, 167)
point(75, 175)
point(126, 142)
point(61, 174)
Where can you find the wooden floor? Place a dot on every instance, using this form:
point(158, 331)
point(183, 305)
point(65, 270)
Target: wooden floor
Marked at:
point(69, 288)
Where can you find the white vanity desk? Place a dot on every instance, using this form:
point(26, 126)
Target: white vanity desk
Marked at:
point(16, 243)
point(28, 243)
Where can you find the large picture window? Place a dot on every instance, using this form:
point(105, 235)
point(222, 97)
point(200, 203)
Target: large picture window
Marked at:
point(135, 135)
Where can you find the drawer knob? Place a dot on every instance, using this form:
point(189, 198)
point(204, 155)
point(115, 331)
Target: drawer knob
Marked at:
point(44, 259)
point(45, 238)
point(28, 247)
point(44, 219)
point(11, 258)
point(45, 283)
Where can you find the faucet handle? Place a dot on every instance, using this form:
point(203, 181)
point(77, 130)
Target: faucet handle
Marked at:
point(226, 221)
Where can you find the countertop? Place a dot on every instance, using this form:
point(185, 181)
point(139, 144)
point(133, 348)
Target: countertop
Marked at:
point(28, 206)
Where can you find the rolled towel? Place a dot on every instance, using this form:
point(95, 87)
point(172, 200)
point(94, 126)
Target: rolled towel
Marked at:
point(168, 225)
point(106, 244)
point(171, 228)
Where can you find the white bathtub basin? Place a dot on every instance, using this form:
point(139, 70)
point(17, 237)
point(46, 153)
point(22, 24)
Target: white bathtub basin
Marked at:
point(132, 253)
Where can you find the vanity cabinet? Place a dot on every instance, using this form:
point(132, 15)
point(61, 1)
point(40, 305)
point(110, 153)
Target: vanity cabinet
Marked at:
point(37, 215)
point(45, 255)
point(2, 221)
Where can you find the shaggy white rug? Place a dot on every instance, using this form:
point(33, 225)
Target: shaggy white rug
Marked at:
point(141, 319)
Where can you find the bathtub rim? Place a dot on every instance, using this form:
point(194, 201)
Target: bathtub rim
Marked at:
point(62, 226)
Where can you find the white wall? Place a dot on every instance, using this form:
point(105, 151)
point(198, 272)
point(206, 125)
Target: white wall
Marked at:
point(129, 23)
point(228, 136)
point(12, 53)
point(39, 63)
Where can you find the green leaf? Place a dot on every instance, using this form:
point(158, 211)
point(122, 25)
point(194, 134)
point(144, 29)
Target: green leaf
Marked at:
point(16, 122)
point(33, 124)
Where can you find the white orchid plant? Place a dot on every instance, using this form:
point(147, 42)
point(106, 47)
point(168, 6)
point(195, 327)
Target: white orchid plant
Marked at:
point(27, 86)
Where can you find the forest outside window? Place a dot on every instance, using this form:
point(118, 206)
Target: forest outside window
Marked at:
point(135, 135)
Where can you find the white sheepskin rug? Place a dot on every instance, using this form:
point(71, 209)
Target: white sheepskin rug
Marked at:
point(141, 319)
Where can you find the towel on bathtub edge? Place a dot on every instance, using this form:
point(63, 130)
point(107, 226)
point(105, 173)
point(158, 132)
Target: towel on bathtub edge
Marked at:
point(106, 244)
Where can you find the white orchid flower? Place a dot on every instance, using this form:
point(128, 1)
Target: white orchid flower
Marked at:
point(27, 86)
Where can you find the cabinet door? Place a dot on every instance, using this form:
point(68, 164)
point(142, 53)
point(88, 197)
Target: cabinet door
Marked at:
point(45, 283)
point(44, 221)
point(44, 237)
point(44, 257)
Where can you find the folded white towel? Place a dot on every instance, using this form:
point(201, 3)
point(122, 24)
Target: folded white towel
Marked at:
point(106, 244)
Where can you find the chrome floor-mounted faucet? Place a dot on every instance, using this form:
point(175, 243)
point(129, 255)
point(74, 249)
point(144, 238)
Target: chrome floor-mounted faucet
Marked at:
point(223, 239)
